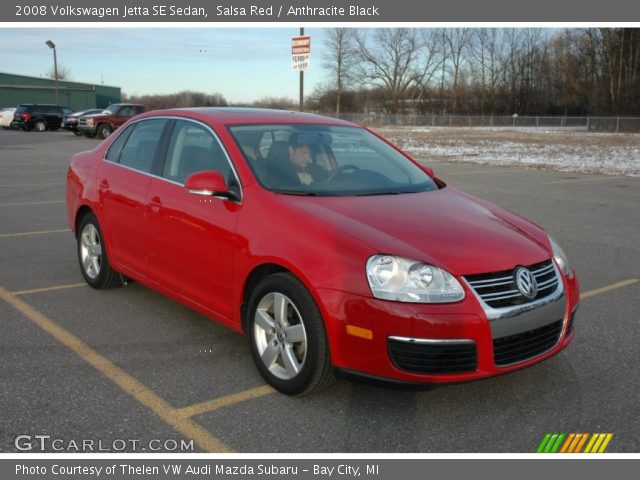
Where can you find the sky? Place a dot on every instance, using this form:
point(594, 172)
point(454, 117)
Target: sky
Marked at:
point(242, 64)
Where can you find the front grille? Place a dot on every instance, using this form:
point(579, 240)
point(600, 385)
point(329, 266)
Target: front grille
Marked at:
point(526, 345)
point(433, 358)
point(499, 289)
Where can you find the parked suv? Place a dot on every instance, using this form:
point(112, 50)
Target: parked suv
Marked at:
point(41, 117)
point(102, 124)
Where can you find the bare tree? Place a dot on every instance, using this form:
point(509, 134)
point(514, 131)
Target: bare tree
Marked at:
point(457, 41)
point(64, 73)
point(486, 52)
point(430, 59)
point(339, 59)
point(389, 60)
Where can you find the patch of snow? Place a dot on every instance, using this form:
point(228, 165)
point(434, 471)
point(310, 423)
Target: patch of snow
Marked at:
point(567, 157)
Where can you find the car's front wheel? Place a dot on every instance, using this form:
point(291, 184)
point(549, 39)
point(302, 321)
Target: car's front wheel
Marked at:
point(286, 336)
point(103, 131)
point(92, 255)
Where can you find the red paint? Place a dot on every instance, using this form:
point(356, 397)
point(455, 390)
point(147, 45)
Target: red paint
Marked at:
point(201, 250)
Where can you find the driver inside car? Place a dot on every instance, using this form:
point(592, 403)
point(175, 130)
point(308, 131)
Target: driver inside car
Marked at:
point(303, 170)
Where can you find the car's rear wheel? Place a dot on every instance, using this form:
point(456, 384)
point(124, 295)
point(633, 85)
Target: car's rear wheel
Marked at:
point(92, 255)
point(103, 131)
point(40, 126)
point(286, 336)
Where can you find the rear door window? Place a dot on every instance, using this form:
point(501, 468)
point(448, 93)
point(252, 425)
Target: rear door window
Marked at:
point(139, 149)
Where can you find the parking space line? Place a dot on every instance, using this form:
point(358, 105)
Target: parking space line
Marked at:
point(49, 289)
point(25, 204)
point(128, 384)
point(40, 232)
point(225, 401)
point(608, 288)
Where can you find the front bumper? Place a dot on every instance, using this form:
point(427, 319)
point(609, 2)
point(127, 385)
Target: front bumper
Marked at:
point(86, 128)
point(457, 342)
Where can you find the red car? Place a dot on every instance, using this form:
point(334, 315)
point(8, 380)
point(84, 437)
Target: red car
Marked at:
point(327, 246)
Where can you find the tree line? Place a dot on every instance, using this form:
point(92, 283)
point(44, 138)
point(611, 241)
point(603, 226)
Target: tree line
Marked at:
point(496, 71)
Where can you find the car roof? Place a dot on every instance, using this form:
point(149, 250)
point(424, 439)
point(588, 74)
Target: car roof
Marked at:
point(247, 116)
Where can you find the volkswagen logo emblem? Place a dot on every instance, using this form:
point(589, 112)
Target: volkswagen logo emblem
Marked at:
point(526, 282)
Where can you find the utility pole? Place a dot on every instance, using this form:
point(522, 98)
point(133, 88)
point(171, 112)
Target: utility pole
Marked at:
point(302, 81)
point(52, 45)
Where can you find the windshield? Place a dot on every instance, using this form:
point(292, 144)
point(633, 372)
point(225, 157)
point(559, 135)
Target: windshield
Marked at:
point(327, 160)
point(112, 108)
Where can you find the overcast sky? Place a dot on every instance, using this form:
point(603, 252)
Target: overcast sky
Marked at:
point(243, 64)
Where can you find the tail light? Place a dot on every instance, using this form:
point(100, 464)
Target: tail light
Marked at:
point(25, 116)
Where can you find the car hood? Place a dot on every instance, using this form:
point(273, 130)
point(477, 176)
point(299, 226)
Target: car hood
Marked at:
point(447, 228)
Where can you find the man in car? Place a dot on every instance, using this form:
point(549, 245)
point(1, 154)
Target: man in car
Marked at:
point(305, 170)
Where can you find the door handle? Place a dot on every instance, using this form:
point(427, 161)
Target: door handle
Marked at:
point(104, 184)
point(155, 204)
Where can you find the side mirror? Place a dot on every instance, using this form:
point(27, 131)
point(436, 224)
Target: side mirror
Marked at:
point(432, 174)
point(209, 183)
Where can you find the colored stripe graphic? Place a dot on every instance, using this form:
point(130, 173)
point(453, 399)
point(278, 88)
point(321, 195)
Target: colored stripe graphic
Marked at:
point(573, 442)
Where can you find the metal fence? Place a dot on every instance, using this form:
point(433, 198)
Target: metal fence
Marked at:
point(594, 124)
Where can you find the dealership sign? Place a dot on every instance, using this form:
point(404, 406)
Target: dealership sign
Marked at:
point(300, 52)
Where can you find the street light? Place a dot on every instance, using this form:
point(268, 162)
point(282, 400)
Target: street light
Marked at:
point(52, 45)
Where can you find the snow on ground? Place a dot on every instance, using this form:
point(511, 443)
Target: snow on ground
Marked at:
point(566, 150)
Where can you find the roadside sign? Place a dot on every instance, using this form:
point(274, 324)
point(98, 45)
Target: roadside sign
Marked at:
point(300, 52)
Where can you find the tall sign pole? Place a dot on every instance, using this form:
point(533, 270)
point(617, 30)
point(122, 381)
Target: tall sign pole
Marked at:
point(302, 80)
point(300, 54)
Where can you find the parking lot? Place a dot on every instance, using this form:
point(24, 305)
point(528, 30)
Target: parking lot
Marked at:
point(129, 364)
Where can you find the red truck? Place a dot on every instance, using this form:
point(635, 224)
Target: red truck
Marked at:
point(102, 124)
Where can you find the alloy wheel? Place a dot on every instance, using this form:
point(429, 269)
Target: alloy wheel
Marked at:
point(280, 336)
point(91, 251)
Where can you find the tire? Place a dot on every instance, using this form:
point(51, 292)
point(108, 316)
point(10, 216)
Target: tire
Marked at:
point(77, 133)
point(90, 135)
point(103, 131)
point(92, 255)
point(297, 365)
point(40, 126)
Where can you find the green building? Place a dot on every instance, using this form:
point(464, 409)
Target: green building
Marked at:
point(17, 89)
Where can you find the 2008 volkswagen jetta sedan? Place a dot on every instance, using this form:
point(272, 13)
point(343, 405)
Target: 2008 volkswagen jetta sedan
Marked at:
point(326, 245)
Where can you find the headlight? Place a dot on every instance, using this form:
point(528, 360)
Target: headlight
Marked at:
point(560, 257)
point(90, 122)
point(405, 280)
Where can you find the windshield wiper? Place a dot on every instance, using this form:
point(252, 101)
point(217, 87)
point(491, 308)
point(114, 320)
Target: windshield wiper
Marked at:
point(388, 192)
point(296, 192)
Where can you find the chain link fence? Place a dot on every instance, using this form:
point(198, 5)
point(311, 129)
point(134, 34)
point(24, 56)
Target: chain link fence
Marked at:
point(592, 124)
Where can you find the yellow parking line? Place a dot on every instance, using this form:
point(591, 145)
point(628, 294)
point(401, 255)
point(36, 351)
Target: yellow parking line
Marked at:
point(40, 232)
point(608, 288)
point(135, 389)
point(24, 204)
point(225, 401)
point(49, 289)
